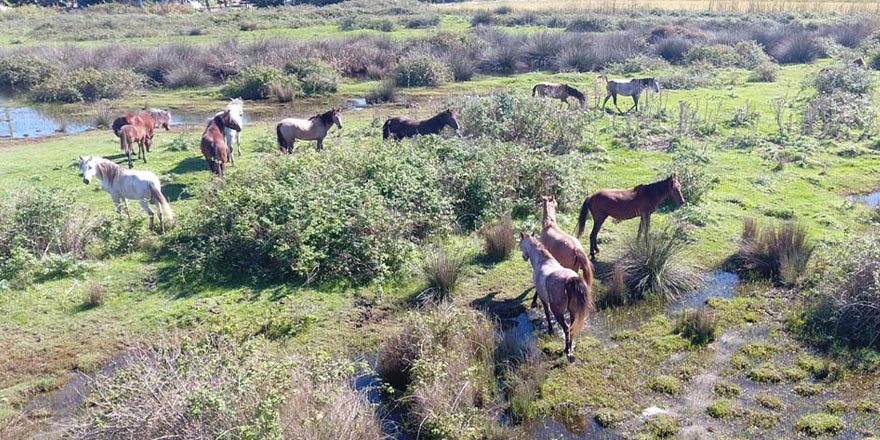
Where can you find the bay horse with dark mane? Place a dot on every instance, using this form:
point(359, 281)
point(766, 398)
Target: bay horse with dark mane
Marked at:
point(213, 143)
point(401, 127)
point(129, 134)
point(624, 204)
point(559, 91)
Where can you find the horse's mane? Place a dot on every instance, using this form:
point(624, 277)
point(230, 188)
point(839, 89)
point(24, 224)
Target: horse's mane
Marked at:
point(658, 187)
point(574, 92)
point(326, 117)
point(437, 117)
point(108, 171)
point(646, 81)
point(540, 248)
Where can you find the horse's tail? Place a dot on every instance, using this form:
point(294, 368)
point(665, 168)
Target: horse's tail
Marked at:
point(386, 130)
point(580, 302)
point(535, 89)
point(282, 144)
point(124, 141)
point(582, 262)
point(582, 218)
point(160, 201)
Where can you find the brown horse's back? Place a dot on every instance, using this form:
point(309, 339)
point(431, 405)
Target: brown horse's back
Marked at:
point(568, 251)
point(213, 146)
point(621, 204)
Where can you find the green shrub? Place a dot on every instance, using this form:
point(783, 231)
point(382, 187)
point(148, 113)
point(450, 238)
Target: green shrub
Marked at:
point(21, 72)
point(662, 426)
point(726, 389)
point(844, 78)
point(780, 254)
point(762, 419)
point(693, 77)
point(422, 71)
point(665, 384)
point(609, 418)
point(86, 84)
point(765, 373)
point(689, 165)
point(254, 82)
point(818, 424)
point(764, 72)
point(315, 76)
point(652, 265)
point(723, 409)
point(770, 401)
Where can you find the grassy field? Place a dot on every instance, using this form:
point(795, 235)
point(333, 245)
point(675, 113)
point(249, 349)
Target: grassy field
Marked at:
point(760, 378)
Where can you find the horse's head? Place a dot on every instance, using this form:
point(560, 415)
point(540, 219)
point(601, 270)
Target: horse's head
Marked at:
point(675, 189)
point(226, 119)
point(87, 168)
point(548, 203)
point(452, 119)
point(655, 85)
point(524, 239)
point(336, 114)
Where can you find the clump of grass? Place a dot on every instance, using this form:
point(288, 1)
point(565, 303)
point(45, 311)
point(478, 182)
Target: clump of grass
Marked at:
point(835, 406)
point(808, 389)
point(103, 116)
point(384, 92)
point(726, 389)
point(498, 239)
point(770, 401)
point(442, 269)
point(765, 373)
point(698, 326)
point(762, 419)
point(818, 424)
point(616, 294)
point(866, 406)
point(653, 265)
point(665, 384)
point(758, 350)
point(778, 253)
point(524, 383)
point(662, 426)
point(794, 374)
point(94, 296)
point(723, 409)
point(609, 418)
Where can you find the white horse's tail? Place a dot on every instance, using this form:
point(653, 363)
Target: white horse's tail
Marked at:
point(162, 202)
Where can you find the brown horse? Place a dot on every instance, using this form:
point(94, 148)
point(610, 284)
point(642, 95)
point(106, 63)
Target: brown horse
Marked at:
point(213, 144)
point(149, 119)
point(566, 249)
point(401, 127)
point(560, 289)
point(559, 91)
point(624, 204)
point(129, 134)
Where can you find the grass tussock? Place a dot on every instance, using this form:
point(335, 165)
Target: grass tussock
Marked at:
point(498, 239)
point(442, 269)
point(653, 266)
point(777, 253)
point(698, 326)
point(94, 296)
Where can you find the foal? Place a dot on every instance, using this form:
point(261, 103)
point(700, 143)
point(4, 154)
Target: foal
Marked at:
point(213, 143)
point(129, 134)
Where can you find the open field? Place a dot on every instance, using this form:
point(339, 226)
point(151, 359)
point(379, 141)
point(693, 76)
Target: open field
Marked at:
point(303, 276)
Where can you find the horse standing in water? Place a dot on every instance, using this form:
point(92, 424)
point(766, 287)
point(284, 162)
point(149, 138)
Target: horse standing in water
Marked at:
point(401, 127)
point(560, 289)
point(129, 134)
point(559, 91)
point(213, 143)
point(624, 204)
point(631, 87)
point(233, 137)
point(315, 128)
point(123, 185)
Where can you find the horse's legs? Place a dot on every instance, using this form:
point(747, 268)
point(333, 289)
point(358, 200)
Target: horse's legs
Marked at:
point(605, 102)
point(614, 95)
point(566, 330)
point(547, 312)
point(320, 144)
point(594, 235)
point(635, 104)
point(142, 151)
point(644, 226)
point(128, 156)
point(146, 207)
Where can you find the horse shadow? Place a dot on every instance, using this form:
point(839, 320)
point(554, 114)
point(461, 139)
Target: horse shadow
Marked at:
point(189, 165)
point(502, 308)
point(176, 192)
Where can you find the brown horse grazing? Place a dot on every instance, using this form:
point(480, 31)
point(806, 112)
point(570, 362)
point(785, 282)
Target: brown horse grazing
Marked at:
point(401, 127)
point(624, 204)
point(560, 290)
point(150, 119)
point(129, 134)
point(213, 144)
point(559, 91)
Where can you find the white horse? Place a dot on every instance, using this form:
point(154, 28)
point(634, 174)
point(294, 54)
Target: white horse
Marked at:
point(312, 129)
point(233, 137)
point(123, 184)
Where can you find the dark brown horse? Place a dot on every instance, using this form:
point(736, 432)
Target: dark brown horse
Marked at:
point(559, 91)
point(214, 142)
point(149, 119)
point(624, 204)
point(401, 127)
point(129, 134)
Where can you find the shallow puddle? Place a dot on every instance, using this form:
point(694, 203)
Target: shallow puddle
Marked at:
point(392, 419)
point(551, 429)
point(717, 283)
point(871, 199)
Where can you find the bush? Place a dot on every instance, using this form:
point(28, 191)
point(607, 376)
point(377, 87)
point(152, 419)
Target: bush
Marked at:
point(690, 78)
point(689, 165)
point(384, 92)
point(764, 72)
point(21, 72)
point(442, 270)
point(193, 388)
point(780, 254)
point(798, 48)
point(665, 384)
point(315, 76)
point(186, 75)
point(718, 55)
point(672, 49)
point(723, 409)
point(844, 78)
point(726, 389)
point(286, 89)
point(422, 71)
point(93, 296)
point(254, 82)
point(652, 265)
point(846, 308)
point(499, 241)
point(698, 326)
point(86, 84)
point(818, 424)
point(637, 64)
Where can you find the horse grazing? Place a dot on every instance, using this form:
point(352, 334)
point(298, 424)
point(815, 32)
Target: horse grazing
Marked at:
point(233, 137)
point(129, 134)
point(123, 185)
point(630, 87)
point(149, 119)
point(313, 129)
point(401, 127)
point(624, 204)
point(213, 143)
point(560, 289)
point(559, 91)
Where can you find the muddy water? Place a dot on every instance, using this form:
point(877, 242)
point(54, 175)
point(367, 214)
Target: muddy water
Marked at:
point(550, 429)
point(392, 418)
point(871, 199)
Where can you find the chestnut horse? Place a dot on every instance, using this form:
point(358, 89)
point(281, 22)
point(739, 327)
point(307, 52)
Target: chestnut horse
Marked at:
point(566, 249)
point(560, 289)
point(153, 118)
point(624, 204)
point(401, 127)
point(213, 143)
point(129, 134)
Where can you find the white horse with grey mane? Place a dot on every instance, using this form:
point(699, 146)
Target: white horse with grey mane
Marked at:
point(233, 137)
point(123, 184)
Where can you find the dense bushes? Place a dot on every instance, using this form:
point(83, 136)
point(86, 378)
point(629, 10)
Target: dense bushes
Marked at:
point(315, 76)
point(21, 72)
point(193, 388)
point(422, 71)
point(652, 266)
point(846, 305)
point(843, 102)
point(256, 82)
point(86, 84)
